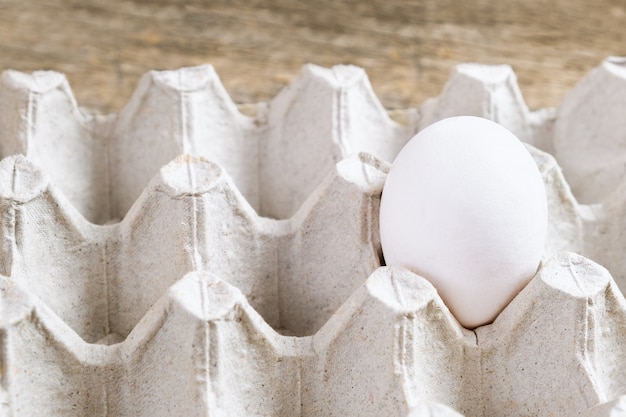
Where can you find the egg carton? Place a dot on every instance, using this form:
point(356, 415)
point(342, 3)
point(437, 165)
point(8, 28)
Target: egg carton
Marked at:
point(180, 258)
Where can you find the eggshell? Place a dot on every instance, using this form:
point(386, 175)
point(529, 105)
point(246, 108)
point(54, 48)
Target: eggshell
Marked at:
point(464, 206)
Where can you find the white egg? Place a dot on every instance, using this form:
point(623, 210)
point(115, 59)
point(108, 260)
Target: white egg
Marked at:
point(465, 207)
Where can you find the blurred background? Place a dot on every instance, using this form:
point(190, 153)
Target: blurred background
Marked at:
point(408, 48)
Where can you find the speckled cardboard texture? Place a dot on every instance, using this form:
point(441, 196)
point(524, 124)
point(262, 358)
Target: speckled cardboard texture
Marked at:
point(180, 258)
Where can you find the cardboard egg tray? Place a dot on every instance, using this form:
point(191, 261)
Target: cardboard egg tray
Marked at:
point(180, 258)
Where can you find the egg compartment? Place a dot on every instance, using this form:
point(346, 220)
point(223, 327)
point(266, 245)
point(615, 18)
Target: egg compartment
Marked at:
point(88, 331)
point(101, 279)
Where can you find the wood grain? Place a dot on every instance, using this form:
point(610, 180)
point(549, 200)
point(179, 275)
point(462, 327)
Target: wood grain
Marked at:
point(408, 48)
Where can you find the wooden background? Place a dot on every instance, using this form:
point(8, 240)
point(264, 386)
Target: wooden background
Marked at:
point(407, 47)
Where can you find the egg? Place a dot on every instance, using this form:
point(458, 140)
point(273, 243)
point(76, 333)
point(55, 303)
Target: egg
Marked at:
point(464, 206)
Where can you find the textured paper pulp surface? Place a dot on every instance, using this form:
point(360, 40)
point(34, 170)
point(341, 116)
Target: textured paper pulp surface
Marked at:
point(180, 258)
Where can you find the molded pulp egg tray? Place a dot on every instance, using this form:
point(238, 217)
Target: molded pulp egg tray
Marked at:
point(183, 259)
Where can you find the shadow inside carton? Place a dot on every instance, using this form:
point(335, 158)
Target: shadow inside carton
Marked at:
point(110, 339)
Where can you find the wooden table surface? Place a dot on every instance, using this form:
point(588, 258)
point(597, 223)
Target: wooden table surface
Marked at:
point(408, 48)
